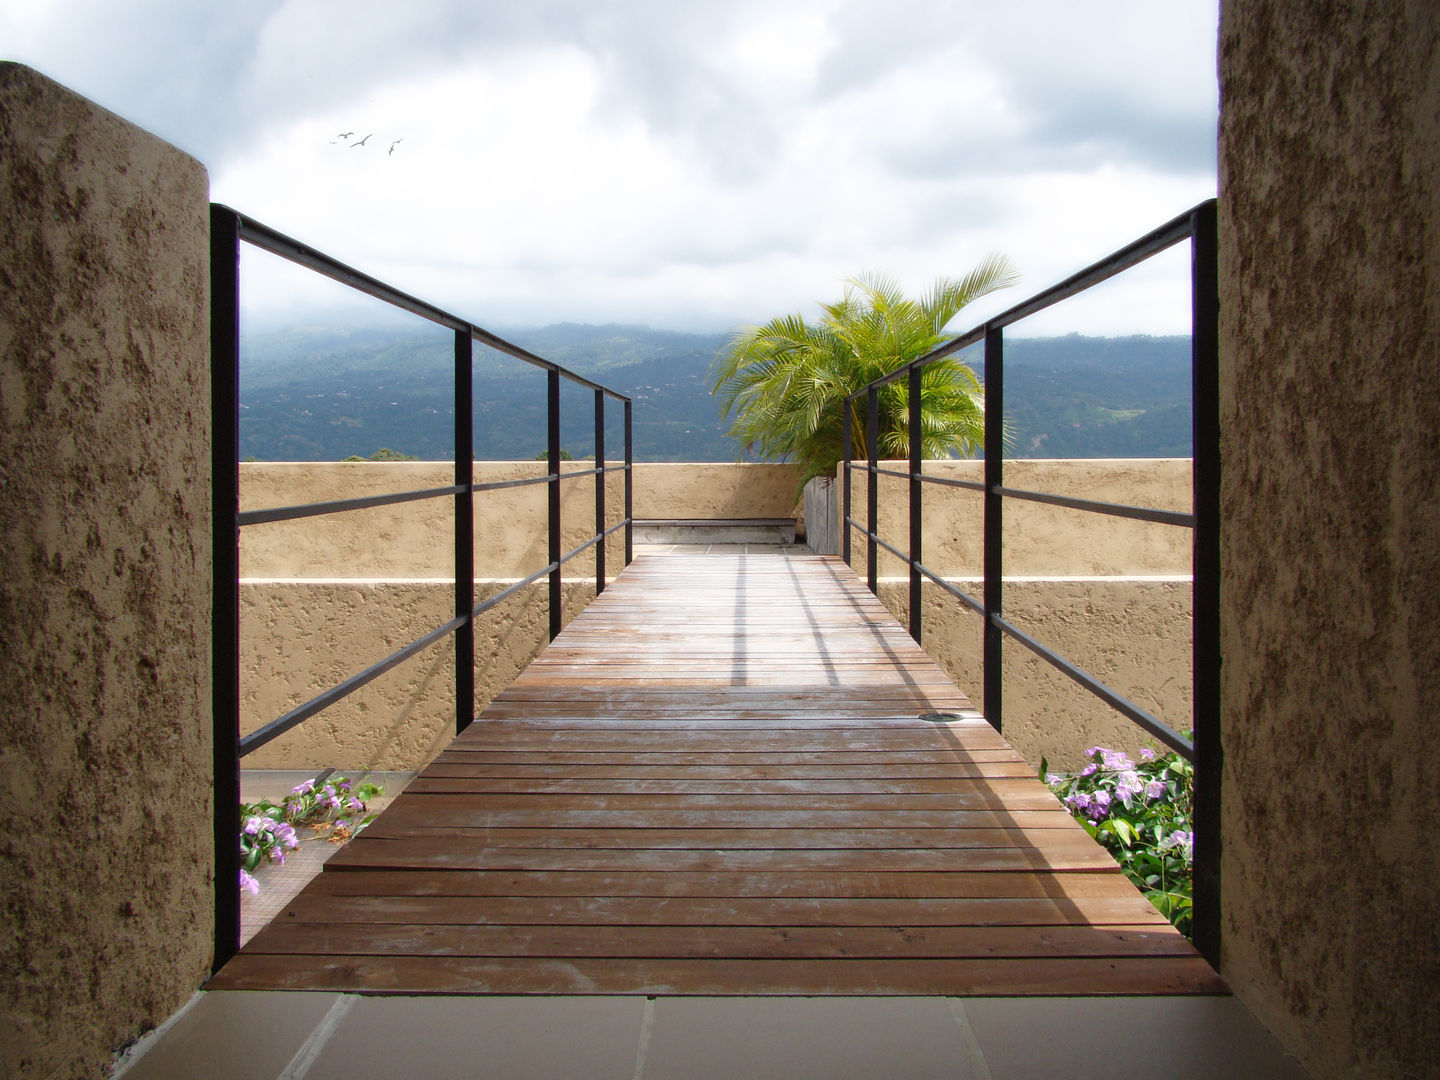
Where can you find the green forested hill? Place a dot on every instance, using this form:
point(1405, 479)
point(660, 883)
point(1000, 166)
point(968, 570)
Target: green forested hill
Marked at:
point(325, 394)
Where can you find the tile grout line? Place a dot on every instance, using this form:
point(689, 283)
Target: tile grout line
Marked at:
point(642, 1050)
point(317, 1040)
point(145, 1043)
point(967, 1037)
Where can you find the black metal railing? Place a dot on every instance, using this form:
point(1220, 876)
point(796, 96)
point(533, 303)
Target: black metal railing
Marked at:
point(1203, 749)
point(228, 229)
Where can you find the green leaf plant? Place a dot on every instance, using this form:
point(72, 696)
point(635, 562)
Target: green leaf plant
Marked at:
point(782, 385)
point(1143, 814)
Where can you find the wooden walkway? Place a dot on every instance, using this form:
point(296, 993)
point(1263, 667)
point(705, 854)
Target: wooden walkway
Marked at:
point(718, 781)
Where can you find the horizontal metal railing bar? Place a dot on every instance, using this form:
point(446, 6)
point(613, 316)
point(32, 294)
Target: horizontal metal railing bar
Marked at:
point(1138, 513)
point(278, 727)
point(509, 591)
point(588, 544)
point(948, 481)
point(496, 485)
point(959, 594)
point(337, 506)
point(1139, 716)
point(1152, 243)
point(287, 247)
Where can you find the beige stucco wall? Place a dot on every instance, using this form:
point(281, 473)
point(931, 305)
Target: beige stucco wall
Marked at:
point(1131, 633)
point(1330, 334)
point(105, 596)
point(300, 637)
point(1039, 538)
point(416, 539)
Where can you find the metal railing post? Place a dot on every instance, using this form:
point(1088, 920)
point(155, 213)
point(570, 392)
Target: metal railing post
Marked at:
point(872, 500)
point(916, 520)
point(600, 490)
point(994, 534)
point(464, 531)
point(846, 408)
point(629, 489)
point(552, 414)
point(1205, 602)
point(225, 626)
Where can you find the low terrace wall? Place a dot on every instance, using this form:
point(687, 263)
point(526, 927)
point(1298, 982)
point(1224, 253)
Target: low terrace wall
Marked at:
point(324, 597)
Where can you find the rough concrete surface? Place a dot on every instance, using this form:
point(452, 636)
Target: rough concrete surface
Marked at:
point(1133, 634)
point(417, 539)
point(1330, 333)
point(300, 637)
point(105, 597)
point(1039, 539)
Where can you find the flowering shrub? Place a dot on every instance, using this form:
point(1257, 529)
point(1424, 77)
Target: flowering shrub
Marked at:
point(1142, 813)
point(329, 807)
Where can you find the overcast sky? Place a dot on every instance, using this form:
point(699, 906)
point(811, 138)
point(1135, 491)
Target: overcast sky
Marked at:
point(688, 165)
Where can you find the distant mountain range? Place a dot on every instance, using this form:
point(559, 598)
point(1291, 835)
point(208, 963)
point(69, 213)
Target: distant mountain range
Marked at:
point(326, 394)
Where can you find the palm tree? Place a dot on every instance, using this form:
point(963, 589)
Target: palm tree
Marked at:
point(784, 383)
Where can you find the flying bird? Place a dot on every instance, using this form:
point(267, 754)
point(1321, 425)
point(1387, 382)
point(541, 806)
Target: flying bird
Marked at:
point(394, 144)
point(360, 142)
point(344, 134)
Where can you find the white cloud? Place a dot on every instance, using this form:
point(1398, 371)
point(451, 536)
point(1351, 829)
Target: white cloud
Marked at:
point(689, 166)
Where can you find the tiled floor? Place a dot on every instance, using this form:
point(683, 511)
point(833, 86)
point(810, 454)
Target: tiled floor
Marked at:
point(296, 1036)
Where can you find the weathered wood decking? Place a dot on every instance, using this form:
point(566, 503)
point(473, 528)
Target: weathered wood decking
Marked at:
point(717, 781)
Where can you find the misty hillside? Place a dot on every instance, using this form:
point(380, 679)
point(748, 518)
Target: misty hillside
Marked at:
point(326, 394)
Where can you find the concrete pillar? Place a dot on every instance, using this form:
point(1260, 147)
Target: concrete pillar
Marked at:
point(105, 593)
point(1330, 353)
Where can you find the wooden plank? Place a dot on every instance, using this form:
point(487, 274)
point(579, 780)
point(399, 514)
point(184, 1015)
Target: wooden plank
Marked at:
point(748, 942)
point(619, 913)
point(1054, 976)
point(717, 780)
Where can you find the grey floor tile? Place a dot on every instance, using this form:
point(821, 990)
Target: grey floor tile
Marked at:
point(803, 1038)
point(1179, 1038)
point(459, 1038)
point(233, 1035)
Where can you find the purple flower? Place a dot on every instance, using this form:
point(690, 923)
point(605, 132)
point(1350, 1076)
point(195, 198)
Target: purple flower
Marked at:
point(248, 883)
point(1089, 770)
point(1117, 760)
point(1127, 785)
point(1147, 754)
point(303, 789)
point(285, 834)
point(355, 806)
point(1181, 841)
point(1078, 800)
point(1094, 751)
point(256, 824)
point(1155, 789)
point(1099, 805)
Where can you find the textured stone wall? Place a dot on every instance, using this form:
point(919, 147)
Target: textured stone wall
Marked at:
point(1330, 346)
point(416, 539)
point(1039, 538)
point(301, 637)
point(105, 762)
point(1131, 633)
